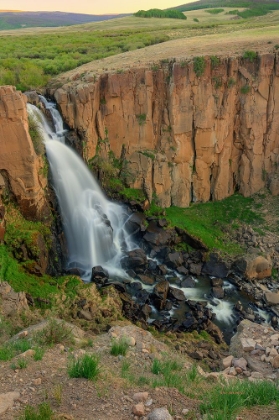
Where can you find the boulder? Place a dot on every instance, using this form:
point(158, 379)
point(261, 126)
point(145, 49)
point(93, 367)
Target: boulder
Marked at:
point(189, 282)
point(218, 292)
point(160, 293)
point(271, 298)
point(99, 274)
point(174, 260)
point(215, 267)
point(176, 294)
point(253, 267)
point(146, 279)
point(134, 259)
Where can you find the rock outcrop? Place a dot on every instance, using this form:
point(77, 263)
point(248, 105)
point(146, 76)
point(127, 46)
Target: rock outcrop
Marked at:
point(185, 138)
point(20, 167)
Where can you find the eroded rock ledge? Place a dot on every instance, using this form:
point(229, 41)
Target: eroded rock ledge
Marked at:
point(185, 138)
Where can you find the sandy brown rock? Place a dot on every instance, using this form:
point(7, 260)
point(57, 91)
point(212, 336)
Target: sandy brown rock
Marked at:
point(186, 138)
point(19, 165)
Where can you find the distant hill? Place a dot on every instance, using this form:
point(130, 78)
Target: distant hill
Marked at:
point(18, 19)
point(206, 4)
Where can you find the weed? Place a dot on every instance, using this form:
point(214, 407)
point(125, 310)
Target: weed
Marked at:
point(148, 154)
point(250, 55)
point(55, 332)
point(10, 350)
point(141, 119)
point(217, 82)
point(39, 353)
point(36, 135)
point(119, 347)
point(199, 66)
point(231, 82)
point(276, 46)
point(214, 61)
point(22, 363)
point(42, 412)
point(143, 380)
point(245, 89)
point(125, 368)
point(57, 393)
point(154, 67)
point(86, 366)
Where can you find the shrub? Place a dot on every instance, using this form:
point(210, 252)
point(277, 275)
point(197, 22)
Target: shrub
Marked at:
point(86, 366)
point(214, 61)
point(141, 119)
point(214, 11)
point(231, 82)
point(196, 20)
point(119, 347)
point(199, 66)
point(245, 89)
point(250, 55)
point(55, 332)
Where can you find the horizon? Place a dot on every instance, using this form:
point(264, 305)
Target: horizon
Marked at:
point(95, 8)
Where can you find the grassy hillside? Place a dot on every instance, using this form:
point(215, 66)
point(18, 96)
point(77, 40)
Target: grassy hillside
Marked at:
point(16, 20)
point(29, 58)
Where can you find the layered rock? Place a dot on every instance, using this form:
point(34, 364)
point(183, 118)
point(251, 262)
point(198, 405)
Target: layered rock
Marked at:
point(185, 138)
point(20, 167)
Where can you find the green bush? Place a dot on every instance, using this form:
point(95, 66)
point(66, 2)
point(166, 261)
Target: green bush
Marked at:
point(214, 11)
point(250, 55)
point(199, 66)
point(158, 13)
point(119, 347)
point(86, 366)
point(245, 89)
point(55, 332)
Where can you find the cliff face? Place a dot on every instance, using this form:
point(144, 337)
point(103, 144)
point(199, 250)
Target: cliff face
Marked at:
point(20, 167)
point(185, 138)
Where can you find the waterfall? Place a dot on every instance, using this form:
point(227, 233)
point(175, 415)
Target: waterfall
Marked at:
point(94, 226)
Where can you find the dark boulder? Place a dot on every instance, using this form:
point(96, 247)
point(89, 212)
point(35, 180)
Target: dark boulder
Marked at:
point(162, 269)
point(160, 293)
point(136, 223)
point(189, 282)
point(134, 259)
point(146, 279)
point(182, 270)
point(99, 272)
point(157, 236)
point(174, 260)
point(176, 294)
point(215, 282)
point(195, 269)
point(191, 240)
point(215, 267)
point(218, 292)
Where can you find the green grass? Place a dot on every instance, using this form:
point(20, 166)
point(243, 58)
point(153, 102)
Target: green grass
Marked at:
point(225, 401)
point(210, 221)
point(119, 347)
point(42, 412)
point(12, 349)
point(199, 65)
point(215, 11)
point(39, 353)
point(86, 366)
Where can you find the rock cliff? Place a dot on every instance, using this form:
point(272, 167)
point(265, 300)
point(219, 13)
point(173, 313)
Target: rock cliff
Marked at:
point(189, 130)
point(20, 167)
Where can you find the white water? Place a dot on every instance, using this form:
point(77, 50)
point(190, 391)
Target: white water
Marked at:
point(94, 226)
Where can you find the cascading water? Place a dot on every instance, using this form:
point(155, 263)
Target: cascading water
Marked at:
point(94, 226)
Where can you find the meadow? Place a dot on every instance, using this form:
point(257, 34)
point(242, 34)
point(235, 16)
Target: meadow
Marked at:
point(30, 58)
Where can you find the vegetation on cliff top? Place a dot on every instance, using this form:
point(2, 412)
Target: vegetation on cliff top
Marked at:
point(158, 13)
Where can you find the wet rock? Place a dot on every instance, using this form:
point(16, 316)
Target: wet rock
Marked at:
point(99, 273)
point(271, 298)
point(218, 292)
point(176, 294)
point(162, 269)
point(156, 235)
point(136, 223)
point(136, 285)
point(160, 293)
point(174, 260)
point(195, 269)
point(215, 267)
point(216, 282)
point(134, 259)
point(182, 270)
point(146, 279)
point(189, 282)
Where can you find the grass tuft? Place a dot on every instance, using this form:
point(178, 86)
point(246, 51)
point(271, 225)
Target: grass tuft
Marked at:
point(86, 366)
point(42, 412)
point(119, 347)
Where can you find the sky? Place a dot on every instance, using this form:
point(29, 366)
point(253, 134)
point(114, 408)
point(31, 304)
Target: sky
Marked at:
point(89, 6)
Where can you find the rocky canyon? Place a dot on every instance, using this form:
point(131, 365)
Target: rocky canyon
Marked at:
point(190, 131)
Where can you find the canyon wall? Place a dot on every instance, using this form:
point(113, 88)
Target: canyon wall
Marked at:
point(20, 167)
point(184, 137)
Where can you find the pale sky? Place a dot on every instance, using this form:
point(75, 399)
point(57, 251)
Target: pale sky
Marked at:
point(89, 6)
